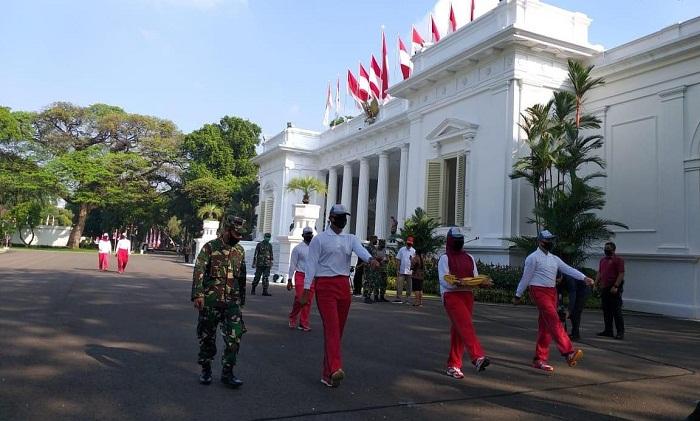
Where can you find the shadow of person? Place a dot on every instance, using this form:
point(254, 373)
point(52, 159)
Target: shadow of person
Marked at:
point(111, 356)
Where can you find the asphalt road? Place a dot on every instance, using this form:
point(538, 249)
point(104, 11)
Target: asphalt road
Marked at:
point(76, 343)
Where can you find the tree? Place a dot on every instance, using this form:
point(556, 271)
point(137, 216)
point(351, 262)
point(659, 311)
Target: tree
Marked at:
point(422, 228)
point(564, 202)
point(209, 212)
point(306, 185)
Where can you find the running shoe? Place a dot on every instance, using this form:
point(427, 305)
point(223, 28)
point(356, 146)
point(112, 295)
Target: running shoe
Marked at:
point(304, 328)
point(292, 325)
point(454, 372)
point(573, 357)
point(337, 377)
point(481, 363)
point(542, 365)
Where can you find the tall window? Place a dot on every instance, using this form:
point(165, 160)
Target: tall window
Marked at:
point(445, 193)
point(265, 217)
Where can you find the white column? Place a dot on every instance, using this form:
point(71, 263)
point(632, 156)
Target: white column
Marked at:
point(403, 173)
point(362, 200)
point(346, 198)
point(382, 195)
point(332, 193)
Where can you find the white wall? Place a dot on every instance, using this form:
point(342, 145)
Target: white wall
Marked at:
point(45, 235)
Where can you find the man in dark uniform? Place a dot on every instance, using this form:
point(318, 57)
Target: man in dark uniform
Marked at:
point(218, 293)
point(262, 262)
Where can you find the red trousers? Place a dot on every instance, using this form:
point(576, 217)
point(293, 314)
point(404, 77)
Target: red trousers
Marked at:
point(122, 259)
point(297, 308)
point(459, 306)
point(103, 259)
point(549, 325)
point(333, 300)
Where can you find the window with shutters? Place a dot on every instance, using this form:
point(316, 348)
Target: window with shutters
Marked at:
point(267, 224)
point(445, 193)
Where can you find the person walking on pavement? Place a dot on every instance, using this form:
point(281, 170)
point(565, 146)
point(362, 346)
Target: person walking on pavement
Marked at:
point(328, 268)
point(539, 275)
point(104, 249)
point(417, 276)
point(371, 280)
point(403, 275)
point(262, 262)
point(459, 305)
point(610, 280)
point(123, 252)
point(578, 294)
point(218, 294)
point(383, 258)
point(297, 271)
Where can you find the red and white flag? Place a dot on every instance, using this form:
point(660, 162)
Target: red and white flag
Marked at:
point(329, 105)
point(375, 75)
point(364, 84)
point(405, 61)
point(353, 87)
point(385, 70)
point(417, 41)
point(338, 109)
point(471, 11)
point(434, 30)
point(453, 21)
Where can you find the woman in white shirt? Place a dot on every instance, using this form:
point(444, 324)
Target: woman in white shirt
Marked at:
point(104, 249)
point(459, 304)
point(123, 250)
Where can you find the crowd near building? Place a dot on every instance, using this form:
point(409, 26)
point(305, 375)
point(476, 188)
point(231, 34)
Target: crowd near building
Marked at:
point(447, 140)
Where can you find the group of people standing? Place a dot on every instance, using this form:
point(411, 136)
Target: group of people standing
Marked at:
point(320, 266)
point(104, 250)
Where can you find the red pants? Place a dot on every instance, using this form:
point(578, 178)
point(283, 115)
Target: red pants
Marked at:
point(333, 300)
point(459, 306)
point(103, 261)
point(549, 325)
point(122, 259)
point(297, 308)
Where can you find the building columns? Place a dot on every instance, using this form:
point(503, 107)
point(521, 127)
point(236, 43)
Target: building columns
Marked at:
point(362, 200)
point(380, 217)
point(346, 198)
point(331, 193)
point(403, 175)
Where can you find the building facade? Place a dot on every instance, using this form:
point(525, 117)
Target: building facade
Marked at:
point(447, 141)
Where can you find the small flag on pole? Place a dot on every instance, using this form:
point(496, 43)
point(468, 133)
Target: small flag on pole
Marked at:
point(417, 41)
point(329, 105)
point(364, 89)
point(354, 87)
point(471, 11)
point(405, 61)
point(385, 70)
point(453, 21)
point(375, 74)
point(338, 109)
point(434, 30)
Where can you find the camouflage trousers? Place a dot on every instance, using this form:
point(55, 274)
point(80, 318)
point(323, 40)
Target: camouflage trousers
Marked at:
point(371, 282)
point(232, 329)
point(264, 272)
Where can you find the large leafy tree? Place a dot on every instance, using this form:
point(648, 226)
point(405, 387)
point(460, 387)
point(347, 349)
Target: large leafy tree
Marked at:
point(565, 202)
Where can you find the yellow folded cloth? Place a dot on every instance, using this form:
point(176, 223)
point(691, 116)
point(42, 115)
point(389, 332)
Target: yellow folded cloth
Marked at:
point(468, 281)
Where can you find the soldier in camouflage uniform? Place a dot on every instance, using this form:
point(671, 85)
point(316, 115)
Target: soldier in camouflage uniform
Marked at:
point(383, 259)
point(372, 276)
point(218, 292)
point(262, 262)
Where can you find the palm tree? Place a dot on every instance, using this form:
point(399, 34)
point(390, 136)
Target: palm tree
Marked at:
point(306, 185)
point(581, 82)
point(209, 211)
point(421, 227)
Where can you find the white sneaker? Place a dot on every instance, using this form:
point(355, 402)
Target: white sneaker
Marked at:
point(454, 372)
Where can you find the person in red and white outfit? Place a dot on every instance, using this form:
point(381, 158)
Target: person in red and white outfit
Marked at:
point(459, 304)
point(297, 270)
point(104, 249)
point(328, 269)
point(539, 275)
point(123, 251)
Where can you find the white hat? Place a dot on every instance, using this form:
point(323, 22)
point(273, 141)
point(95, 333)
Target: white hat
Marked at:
point(339, 209)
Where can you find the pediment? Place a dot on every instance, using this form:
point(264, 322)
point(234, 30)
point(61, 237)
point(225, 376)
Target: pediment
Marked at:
point(452, 128)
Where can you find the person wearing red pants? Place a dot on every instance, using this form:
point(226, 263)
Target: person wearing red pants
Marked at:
point(539, 274)
point(297, 269)
point(104, 249)
point(459, 305)
point(328, 268)
point(123, 251)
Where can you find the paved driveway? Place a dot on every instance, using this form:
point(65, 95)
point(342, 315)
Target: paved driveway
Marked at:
point(76, 343)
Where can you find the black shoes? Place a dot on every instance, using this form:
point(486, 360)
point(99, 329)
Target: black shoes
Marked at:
point(620, 336)
point(266, 294)
point(368, 300)
point(205, 377)
point(230, 380)
point(605, 333)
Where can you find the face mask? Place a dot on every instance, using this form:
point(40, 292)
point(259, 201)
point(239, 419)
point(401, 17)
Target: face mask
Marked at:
point(608, 253)
point(547, 245)
point(457, 244)
point(340, 221)
point(307, 238)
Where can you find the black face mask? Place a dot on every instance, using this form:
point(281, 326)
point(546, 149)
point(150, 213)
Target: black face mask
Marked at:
point(232, 241)
point(307, 238)
point(547, 245)
point(457, 243)
point(608, 253)
point(340, 221)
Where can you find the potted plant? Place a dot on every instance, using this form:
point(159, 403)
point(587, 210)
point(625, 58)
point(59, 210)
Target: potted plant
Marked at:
point(306, 185)
point(209, 212)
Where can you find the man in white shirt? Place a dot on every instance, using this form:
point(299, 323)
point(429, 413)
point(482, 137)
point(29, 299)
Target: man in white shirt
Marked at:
point(104, 249)
point(297, 271)
point(539, 274)
point(122, 253)
point(403, 276)
point(328, 268)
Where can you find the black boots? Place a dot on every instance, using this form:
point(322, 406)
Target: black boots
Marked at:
point(205, 377)
point(266, 294)
point(229, 379)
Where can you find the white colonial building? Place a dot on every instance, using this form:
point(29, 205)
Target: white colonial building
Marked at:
point(448, 139)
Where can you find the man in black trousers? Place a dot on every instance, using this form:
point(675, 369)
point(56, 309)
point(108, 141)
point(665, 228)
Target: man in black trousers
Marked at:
point(611, 274)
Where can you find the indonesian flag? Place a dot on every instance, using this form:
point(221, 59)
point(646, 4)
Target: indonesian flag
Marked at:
point(375, 74)
point(385, 70)
point(471, 12)
point(364, 84)
point(416, 40)
point(329, 105)
point(405, 61)
point(453, 20)
point(353, 87)
point(338, 109)
point(434, 30)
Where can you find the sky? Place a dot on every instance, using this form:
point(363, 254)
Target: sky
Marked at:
point(270, 61)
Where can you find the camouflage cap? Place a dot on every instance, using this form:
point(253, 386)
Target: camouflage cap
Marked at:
point(236, 222)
